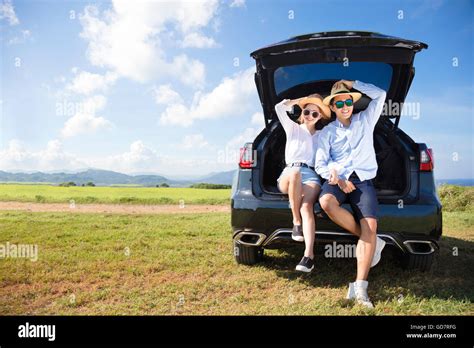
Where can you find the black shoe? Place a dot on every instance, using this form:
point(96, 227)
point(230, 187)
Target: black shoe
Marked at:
point(306, 265)
point(297, 233)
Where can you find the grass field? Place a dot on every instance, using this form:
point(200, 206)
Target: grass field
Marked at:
point(183, 264)
point(114, 195)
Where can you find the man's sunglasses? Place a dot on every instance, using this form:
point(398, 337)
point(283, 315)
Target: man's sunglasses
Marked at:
point(314, 113)
point(340, 103)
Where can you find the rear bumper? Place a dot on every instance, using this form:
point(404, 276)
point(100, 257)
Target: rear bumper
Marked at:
point(282, 237)
point(413, 229)
point(412, 221)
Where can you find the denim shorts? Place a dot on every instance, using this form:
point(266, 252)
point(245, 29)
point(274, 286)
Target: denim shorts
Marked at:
point(307, 175)
point(363, 199)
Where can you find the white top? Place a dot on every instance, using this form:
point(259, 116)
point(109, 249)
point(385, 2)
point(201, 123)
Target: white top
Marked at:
point(300, 144)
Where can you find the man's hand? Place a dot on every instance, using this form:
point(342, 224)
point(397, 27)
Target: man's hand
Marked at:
point(346, 186)
point(333, 178)
point(347, 83)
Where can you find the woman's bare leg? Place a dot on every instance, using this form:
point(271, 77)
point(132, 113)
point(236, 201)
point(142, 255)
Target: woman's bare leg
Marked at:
point(310, 193)
point(291, 184)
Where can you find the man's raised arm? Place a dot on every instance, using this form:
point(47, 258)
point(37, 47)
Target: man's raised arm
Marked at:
point(375, 107)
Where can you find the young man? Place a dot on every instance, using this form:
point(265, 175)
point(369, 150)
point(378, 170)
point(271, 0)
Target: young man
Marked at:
point(348, 142)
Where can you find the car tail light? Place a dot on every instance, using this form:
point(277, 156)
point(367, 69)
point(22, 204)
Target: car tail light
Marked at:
point(247, 159)
point(426, 160)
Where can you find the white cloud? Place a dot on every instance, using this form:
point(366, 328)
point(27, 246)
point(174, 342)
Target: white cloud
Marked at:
point(164, 94)
point(17, 157)
point(198, 40)
point(232, 97)
point(237, 3)
point(8, 12)
point(194, 141)
point(15, 152)
point(138, 158)
point(143, 158)
point(25, 35)
point(127, 38)
point(248, 135)
point(190, 71)
point(86, 82)
point(176, 114)
point(258, 119)
point(82, 123)
point(85, 120)
point(189, 15)
point(229, 156)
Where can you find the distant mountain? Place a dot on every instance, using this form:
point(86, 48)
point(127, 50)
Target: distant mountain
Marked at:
point(106, 178)
point(224, 178)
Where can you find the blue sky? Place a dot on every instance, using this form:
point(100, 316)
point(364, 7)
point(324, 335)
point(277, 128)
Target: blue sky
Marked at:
point(167, 87)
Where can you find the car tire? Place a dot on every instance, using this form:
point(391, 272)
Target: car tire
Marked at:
point(247, 255)
point(417, 262)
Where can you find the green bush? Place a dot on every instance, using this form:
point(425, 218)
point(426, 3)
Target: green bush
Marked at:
point(88, 199)
point(165, 200)
point(40, 199)
point(128, 200)
point(67, 184)
point(204, 185)
point(456, 198)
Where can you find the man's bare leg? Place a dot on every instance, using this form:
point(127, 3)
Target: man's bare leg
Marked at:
point(339, 215)
point(366, 247)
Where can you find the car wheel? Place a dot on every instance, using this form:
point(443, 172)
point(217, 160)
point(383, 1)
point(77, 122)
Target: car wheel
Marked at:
point(247, 255)
point(418, 262)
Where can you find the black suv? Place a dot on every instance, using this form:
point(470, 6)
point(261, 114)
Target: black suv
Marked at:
point(409, 208)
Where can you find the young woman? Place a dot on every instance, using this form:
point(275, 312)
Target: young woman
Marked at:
point(298, 179)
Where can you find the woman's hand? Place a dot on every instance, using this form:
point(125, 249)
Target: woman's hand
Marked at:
point(285, 104)
point(291, 102)
point(333, 178)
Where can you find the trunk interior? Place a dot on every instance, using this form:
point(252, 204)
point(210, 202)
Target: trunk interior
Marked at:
point(392, 173)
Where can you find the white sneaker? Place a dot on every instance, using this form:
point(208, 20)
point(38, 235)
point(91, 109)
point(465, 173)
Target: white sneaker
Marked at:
point(380, 244)
point(358, 291)
point(350, 292)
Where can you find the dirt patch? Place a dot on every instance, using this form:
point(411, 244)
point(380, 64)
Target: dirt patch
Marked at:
point(114, 208)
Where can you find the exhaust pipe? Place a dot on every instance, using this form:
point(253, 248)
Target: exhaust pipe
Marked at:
point(250, 238)
point(420, 247)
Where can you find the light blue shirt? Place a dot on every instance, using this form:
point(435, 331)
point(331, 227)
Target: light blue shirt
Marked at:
point(351, 148)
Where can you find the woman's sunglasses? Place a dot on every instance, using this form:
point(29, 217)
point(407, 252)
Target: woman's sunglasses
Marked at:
point(314, 113)
point(340, 103)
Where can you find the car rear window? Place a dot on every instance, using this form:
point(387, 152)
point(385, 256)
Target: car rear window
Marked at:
point(379, 74)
